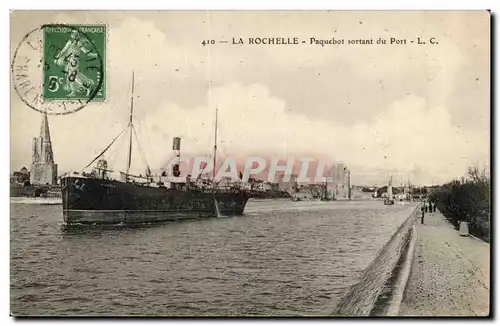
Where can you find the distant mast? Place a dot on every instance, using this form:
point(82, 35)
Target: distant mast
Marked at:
point(349, 194)
point(389, 189)
point(325, 190)
point(215, 144)
point(130, 125)
point(409, 187)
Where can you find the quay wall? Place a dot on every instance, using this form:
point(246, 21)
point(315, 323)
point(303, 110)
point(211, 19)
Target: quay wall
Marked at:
point(361, 299)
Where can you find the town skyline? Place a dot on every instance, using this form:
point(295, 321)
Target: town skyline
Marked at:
point(303, 171)
point(418, 112)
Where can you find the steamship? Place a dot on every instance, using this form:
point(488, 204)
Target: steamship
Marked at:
point(99, 198)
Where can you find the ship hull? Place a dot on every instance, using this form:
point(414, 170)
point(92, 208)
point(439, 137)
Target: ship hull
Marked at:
point(99, 201)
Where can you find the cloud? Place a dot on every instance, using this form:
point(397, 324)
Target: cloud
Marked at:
point(406, 137)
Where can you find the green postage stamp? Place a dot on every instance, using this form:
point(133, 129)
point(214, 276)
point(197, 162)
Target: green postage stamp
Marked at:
point(74, 62)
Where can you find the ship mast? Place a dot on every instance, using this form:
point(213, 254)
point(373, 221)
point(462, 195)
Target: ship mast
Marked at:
point(215, 144)
point(325, 195)
point(130, 126)
point(409, 188)
point(389, 189)
point(349, 194)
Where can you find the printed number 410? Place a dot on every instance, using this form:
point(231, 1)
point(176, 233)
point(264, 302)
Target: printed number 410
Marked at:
point(207, 42)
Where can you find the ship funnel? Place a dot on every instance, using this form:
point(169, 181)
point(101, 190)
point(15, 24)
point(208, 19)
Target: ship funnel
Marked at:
point(176, 146)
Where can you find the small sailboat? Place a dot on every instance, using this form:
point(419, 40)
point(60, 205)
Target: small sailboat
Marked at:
point(389, 200)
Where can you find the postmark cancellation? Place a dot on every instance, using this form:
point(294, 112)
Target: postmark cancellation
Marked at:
point(58, 69)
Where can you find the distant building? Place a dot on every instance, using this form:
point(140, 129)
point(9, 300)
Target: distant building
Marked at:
point(43, 168)
point(21, 177)
point(340, 176)
point(280, 180)
point(225, 182)
point(339, 173)
point(292, 184)
point(265, 186)
point(254, 184)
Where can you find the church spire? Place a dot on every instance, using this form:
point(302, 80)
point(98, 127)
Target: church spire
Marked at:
point(44, 129)
point(45, 145)
point(43, 169)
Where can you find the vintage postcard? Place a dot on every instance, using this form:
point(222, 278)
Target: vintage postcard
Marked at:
point(250, 163)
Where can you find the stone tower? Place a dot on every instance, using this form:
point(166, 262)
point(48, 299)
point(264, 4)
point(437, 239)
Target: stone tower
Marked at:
point(43, 168)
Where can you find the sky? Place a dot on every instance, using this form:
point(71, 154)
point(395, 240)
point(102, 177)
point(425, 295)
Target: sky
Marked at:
point(414, 111)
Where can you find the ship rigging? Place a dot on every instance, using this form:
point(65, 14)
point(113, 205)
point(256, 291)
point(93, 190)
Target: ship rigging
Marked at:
point(132, 133)
point(97, 198)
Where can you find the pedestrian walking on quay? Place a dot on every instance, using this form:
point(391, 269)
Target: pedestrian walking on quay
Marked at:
point(425, 207)
point(434, 208)
point(423, 213)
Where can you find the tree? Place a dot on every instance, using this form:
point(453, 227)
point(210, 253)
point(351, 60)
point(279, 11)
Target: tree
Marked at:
point(467, 199)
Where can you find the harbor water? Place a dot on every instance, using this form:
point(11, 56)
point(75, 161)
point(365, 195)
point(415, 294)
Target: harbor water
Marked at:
point(280, 258)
